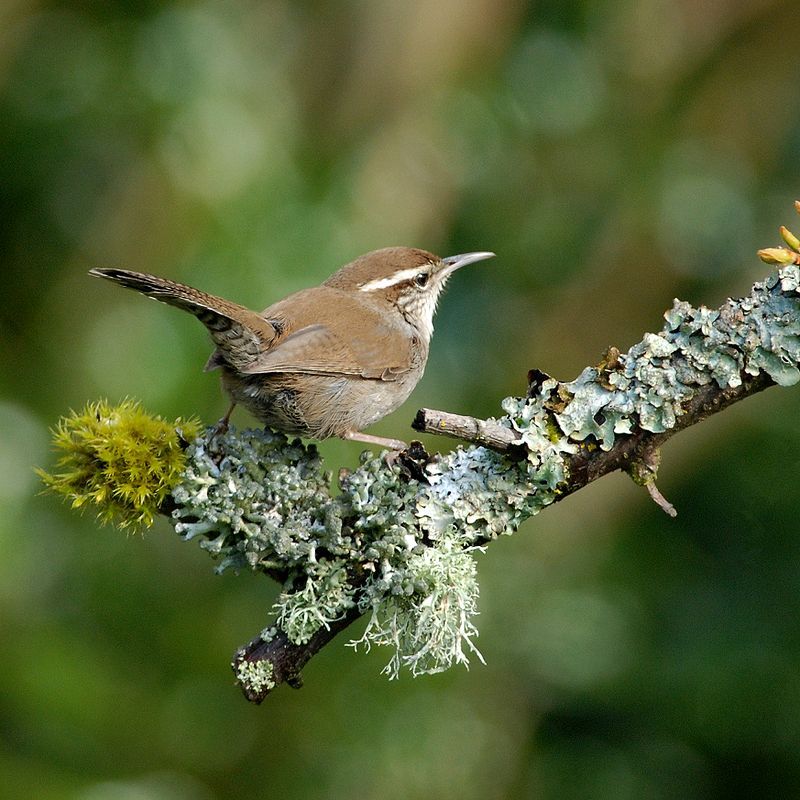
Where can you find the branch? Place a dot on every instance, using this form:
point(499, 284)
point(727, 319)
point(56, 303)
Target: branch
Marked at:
point(563, 436)
point(263, 664)
point(486, 432)
point(588, 463)
point(396, 543)
point(491, 433)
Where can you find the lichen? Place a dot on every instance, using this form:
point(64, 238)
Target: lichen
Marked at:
point(380, 505)
point(255, 677)
point(324, 596)
point(654, 379)
point(424, 611)
point(259, 500)
point(476, 494)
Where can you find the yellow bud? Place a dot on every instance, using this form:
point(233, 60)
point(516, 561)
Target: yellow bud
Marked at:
point(777, 255)
point(790, 238)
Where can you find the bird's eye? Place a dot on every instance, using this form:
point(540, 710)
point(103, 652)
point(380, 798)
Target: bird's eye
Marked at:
point(421, 279)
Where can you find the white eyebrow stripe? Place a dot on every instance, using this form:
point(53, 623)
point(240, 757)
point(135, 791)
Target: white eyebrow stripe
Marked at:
point(392, 280)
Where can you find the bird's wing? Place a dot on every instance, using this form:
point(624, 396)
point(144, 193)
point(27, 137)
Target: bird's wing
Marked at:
point(317, 349)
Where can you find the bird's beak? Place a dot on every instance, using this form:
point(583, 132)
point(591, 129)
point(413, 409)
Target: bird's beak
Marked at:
point(452, 263)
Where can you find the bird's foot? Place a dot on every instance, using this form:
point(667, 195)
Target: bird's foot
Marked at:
point(412, 460)
point(222, 425)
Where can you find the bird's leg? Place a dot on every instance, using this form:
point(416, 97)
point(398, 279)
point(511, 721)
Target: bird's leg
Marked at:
point(393, 444)
point(222, 425)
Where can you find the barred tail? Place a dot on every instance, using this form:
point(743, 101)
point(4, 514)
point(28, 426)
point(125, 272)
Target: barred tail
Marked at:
point(239, 333)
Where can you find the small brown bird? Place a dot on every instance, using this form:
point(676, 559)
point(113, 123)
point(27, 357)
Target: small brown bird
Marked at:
point(325, 361)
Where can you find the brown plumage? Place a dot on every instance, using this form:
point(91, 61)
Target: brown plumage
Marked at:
point(325, 361)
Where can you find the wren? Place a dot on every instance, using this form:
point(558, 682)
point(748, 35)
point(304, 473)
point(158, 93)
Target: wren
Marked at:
point(326, 361)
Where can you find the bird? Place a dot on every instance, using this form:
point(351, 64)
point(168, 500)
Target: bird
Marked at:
point(325, 361)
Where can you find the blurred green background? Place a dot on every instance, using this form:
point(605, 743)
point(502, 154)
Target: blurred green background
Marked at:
point(614, 154)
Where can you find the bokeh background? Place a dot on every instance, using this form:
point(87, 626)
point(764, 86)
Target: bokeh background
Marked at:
point(615, 154)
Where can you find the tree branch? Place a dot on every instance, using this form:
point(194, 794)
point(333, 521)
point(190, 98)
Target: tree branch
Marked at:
point(487, 432)
point(589, 463)
point(284, 658)
point(584, 467)
point(396, 542)
point(632, 404)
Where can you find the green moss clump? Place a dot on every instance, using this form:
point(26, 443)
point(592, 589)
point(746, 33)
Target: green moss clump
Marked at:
point(119, 460)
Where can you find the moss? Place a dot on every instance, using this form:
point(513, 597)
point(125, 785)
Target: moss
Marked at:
point(119, 460)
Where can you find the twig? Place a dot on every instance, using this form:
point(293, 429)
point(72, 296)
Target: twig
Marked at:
point(660, 500)
point(284, 658)
point(487, 432)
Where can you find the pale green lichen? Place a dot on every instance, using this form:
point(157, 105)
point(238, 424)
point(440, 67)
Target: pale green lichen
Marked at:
point(476, 494)
point(255, 677)
point(261, 501)
point(696, 346)
point(380, 506)
point(322, 599)
point(421, 591)
point(424, 611)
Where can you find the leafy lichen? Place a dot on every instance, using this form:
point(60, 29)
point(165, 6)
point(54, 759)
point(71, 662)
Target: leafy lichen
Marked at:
point(654, 379)
point(259, 500)
point(255, 676)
